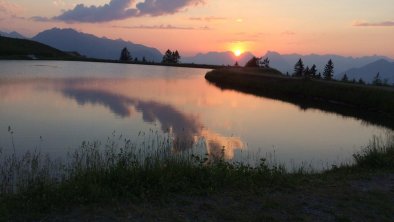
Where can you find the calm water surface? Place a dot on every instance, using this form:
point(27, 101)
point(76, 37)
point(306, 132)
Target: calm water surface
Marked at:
point(66, 103)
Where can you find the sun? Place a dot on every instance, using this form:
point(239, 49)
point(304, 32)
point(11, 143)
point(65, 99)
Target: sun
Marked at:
point(237, 52)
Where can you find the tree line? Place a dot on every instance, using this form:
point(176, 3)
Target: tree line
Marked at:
point(311, 73)
point(300, 71)
point(170, 57)
point(307, 72)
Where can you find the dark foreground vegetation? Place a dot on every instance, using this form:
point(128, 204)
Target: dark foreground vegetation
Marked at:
point(26, 49)
point(374, 104)
point(118, 181)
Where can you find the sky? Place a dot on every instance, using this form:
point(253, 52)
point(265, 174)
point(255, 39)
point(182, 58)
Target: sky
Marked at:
point(344, 27)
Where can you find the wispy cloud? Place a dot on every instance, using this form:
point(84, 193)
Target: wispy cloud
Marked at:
point(169, 27)
point(40, 19)
point(288, 33)
point(161, 27)
point(59, 3)
point(244, 37)
point(208, 19)
point(374, 24)
point(10, 9)
point(121, 9)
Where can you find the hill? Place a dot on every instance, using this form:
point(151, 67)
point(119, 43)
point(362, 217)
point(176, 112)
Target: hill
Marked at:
point(11, 48)
point(218, 58)
point(369, 71)
point(93, 46)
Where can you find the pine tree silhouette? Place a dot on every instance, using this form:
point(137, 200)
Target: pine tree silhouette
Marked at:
point(125, 55)
point(299, 68)
point(329, 70)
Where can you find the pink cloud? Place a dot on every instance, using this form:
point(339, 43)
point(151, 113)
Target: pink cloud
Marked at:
point(377, 24)
point(8, 8)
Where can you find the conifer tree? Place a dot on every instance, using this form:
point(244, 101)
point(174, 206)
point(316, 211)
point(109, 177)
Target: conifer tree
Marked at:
point(361, 81)
point(171, 57)
point(125, 55)
point(307, 72)
point(176, 57)
point(253, 62)
point(299, 68)
point(313, 71)
point(329, 70)
point(345, 78)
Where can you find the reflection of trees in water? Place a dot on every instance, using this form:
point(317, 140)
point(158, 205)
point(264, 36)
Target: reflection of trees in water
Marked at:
point(304, 103)
point(186, 129)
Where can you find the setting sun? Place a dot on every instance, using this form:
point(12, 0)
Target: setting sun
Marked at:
point(237, 52)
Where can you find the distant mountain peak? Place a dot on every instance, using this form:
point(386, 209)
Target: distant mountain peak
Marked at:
point(219, 58)
point(368, 72)
point(12, 34)
point(272, 53)
point(285, 62)
point(68, 39)
point(382, 62)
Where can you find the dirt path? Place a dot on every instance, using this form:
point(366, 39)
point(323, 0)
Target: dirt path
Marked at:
point(365, 199)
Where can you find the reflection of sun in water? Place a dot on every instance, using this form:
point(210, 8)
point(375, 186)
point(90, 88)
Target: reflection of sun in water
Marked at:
point(237, 52)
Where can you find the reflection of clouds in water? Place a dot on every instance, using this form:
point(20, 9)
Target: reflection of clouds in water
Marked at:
point(182, 126)
point(116, 103)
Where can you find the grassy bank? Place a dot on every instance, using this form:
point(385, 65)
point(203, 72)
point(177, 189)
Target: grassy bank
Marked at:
point(26, 49)
point(370, 103)
point(101, 179)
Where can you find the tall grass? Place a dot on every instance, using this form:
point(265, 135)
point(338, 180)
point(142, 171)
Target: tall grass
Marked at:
point(119, 169)
point(34, 183)
point(378, 154)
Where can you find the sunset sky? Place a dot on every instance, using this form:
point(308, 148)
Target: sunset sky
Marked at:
point(346, 27)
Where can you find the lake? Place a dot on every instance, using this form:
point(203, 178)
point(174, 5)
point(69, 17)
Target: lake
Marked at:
point(54, 106)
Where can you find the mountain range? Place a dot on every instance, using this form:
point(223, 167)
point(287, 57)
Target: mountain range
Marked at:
point(94, 47)
point(70, 40)
point(357, 67)
point(218, 58)
point(369, 71)
point(285, 63)
point(14, 35)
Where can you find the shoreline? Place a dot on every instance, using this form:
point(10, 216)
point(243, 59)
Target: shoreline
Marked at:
point(100, 185)
point(181, 65)
point(369, 103)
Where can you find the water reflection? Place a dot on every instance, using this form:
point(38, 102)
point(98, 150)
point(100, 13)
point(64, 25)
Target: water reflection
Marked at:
point(182, 126)
point(77, 102)
point(367, 117)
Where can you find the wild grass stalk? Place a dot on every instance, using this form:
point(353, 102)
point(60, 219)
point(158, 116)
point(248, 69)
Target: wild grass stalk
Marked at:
point(378, 154)
point(122, 170)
